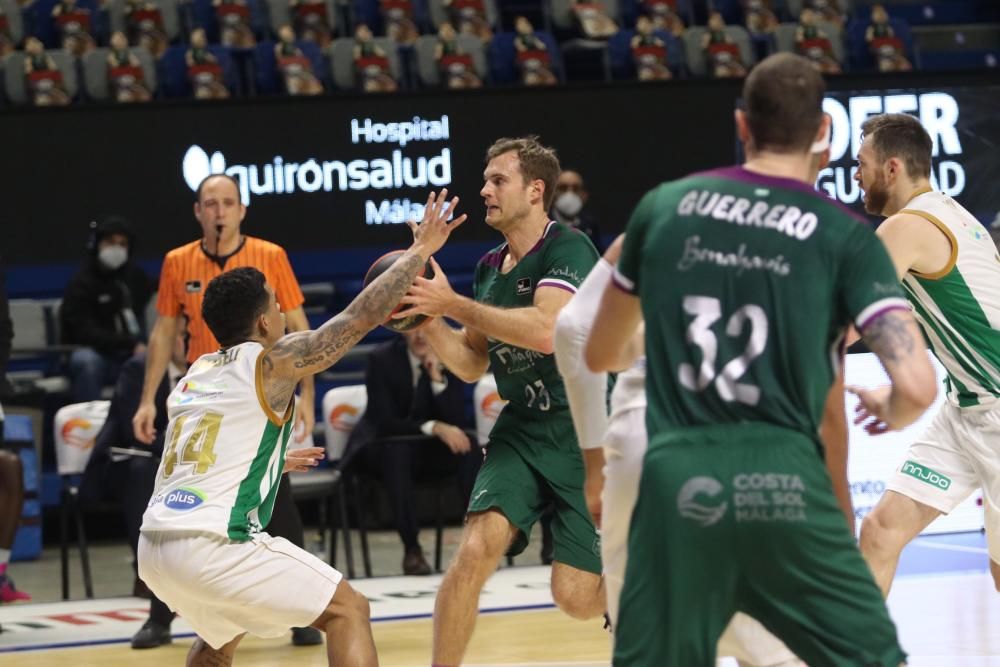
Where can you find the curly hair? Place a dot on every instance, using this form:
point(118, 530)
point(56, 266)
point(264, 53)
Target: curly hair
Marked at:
point(233, 302)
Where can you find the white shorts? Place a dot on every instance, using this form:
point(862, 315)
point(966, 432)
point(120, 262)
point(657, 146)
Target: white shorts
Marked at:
point(958, 454)
point(744, 638)
point(224, 588)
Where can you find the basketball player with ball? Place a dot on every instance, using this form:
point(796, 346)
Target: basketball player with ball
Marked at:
point(532, 459)
point(203, 549)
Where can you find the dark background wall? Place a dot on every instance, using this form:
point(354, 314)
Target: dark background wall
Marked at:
point(65, 167)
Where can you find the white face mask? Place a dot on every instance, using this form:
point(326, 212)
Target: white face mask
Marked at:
point(569, 204)
point(113, 256)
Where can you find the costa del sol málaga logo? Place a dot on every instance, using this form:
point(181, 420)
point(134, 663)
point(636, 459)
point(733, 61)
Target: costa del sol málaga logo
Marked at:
point(690, 508)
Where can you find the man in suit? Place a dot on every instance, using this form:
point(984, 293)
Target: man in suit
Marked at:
point(130, 480)
point(410, 393)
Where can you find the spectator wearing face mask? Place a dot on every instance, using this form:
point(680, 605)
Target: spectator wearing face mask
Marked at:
point(103, 309)
point(569, 206)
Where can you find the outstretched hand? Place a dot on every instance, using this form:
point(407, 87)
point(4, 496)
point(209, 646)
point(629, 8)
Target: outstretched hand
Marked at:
point(434, 229)
point(428, 296)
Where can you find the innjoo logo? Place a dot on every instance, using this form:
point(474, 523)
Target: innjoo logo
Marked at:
point(925, 474)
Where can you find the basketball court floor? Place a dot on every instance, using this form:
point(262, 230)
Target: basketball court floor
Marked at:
point(943, 602)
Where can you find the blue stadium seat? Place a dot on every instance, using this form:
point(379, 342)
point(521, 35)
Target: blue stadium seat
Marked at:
point(204, 17)
point(858, 55)
point(620, 54)
point(501, 56)
point(731, 10)
point(631, 9)
point(40, 15)
point(174, 76)
point(367, 12)
point(266, 74)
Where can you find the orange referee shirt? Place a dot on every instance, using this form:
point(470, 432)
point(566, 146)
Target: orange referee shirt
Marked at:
point(187, 271)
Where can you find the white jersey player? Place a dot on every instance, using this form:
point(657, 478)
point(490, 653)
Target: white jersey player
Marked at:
point(203, 549)
point(950, 270)
point(618, 444)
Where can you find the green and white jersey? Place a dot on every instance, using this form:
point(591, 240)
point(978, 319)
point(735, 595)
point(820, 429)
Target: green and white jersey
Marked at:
point(958, 308)
point(224, 450)
point(747, 285)
point(561, 259)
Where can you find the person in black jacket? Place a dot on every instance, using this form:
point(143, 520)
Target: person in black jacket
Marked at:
point(410, 393)
point(103, 309)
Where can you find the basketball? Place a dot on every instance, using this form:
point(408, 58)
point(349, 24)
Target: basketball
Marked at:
point(380, 266)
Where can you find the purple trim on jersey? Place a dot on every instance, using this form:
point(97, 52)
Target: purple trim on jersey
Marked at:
point(538, 246)
point(494, 258)
point(556, 283)
point(744, 175)
point(879, 313)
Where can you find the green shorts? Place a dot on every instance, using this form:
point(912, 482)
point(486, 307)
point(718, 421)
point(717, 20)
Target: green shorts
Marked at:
point(743, 518)
point(532, 461)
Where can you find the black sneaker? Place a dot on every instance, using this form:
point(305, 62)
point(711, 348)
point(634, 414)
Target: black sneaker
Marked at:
point(414, 563)
point(306, 636)
point(607, 623)
point(152, 635)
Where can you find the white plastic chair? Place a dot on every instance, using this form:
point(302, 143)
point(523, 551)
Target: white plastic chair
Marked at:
point(76, 427)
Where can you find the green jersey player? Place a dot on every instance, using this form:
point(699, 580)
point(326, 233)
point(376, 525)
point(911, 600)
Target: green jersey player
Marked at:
point(747, 280)
point(532, 459)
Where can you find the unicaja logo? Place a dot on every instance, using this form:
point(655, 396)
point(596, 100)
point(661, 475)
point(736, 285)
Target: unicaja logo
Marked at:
point(925, 474)
point(690, 508)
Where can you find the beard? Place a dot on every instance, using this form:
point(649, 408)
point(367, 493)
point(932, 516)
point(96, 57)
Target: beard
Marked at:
point(876, 197)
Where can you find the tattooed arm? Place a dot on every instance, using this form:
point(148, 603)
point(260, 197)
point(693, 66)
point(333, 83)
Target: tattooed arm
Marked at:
point(303, 353)
point(895, 339)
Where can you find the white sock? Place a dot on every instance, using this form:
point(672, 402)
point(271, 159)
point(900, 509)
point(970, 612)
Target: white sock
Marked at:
point(4, 557)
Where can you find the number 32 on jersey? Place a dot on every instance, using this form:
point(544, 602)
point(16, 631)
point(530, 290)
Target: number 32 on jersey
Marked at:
point(707, 311)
